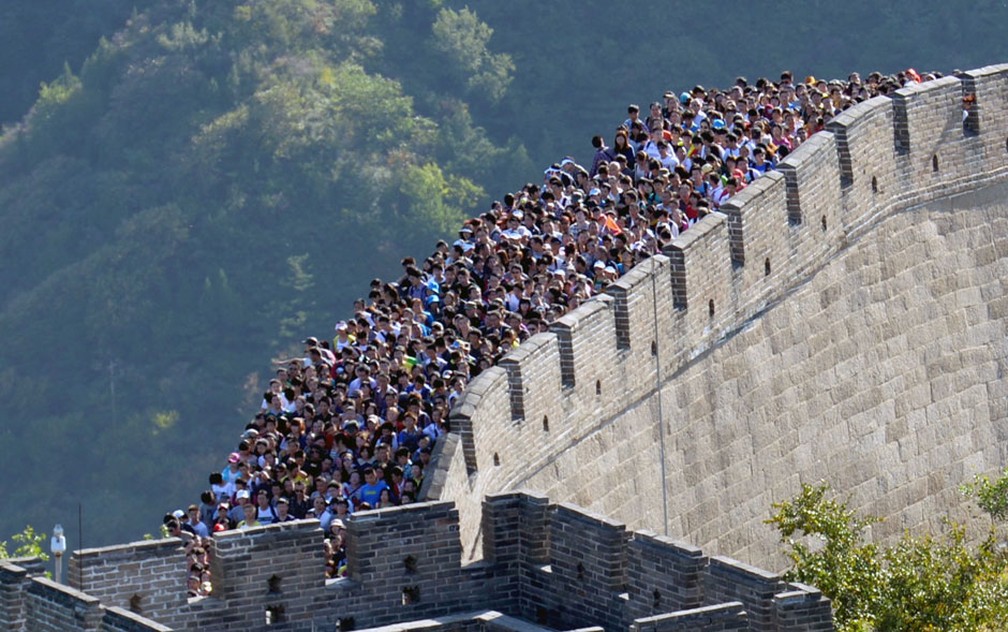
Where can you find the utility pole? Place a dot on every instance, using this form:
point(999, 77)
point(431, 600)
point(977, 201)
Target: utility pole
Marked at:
point(112, 393)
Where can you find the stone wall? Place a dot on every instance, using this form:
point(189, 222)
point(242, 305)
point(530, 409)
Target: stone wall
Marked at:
point(723, 617)
point(577, 568)
point(30, 601)
point(545, 565)
point(842, 319)
point(142, 577)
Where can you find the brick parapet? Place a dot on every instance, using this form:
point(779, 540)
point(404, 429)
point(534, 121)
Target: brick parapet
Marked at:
point(148, 576)
point(802, 608)
point(436, 476)
point(545, 564)
point(663, 574)
point(56, 607)
point(717, 618)
point(13, 583)
point(731, 580)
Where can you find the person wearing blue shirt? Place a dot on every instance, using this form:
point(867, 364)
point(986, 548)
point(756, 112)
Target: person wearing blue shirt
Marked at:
point(370, 491)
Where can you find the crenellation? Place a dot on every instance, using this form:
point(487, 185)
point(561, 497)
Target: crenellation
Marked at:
point(588, 560)
point(555, 564)
point(13, 583)
point(586, 338)
point(663, 575)
point(802, 608)
point(151, 569)
point(758, 221)
point(635, 295)
point(936, 143)
point(703, 272)
point(750, 210)
point(534, 383)
point(59, 607)
point(990, 85)
point(731, 580)
point(441, 478)
point(864, 141)
point(485, 397)
point(378, 545)
point(296, 567)
point(812, 181)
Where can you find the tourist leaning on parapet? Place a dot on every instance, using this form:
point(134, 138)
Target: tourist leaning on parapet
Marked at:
point(265, 511)
point(249, 517)
point(283, 511)
point(224, 491)
point(194, 522)
point(222, 519)
point(242, 498)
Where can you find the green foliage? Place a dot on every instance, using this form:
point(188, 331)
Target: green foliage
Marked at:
point(39, 38)
point(464, 39)
point(943, 583)
point(54, 95)
point(266, 26)
point(920, 583)
point(437, 200)
point(831, 553)
point(27, 543)
point(215, 180)
point(991, 496)
point(55, 114)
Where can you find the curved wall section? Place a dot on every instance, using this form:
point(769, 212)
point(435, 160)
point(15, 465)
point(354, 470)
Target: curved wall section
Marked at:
point(884, 374)
point(842, 319)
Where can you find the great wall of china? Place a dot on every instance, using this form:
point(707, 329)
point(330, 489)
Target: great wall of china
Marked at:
point(841, 319)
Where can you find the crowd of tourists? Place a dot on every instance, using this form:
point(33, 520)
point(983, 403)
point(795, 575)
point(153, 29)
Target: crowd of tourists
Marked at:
point(349, 424)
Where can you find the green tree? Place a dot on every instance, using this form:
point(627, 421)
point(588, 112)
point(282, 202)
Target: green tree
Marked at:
point(831, 553)
point(991, 496)
point(435, 199)
point(920, 583)
point(28, 543)
point(464, 39)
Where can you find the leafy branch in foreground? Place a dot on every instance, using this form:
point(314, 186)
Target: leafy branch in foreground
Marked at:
point(28, 544)
point(920, 583)
point(992, 496)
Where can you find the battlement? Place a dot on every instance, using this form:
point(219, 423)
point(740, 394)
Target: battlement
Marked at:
point(563, 388)
point(545, 566)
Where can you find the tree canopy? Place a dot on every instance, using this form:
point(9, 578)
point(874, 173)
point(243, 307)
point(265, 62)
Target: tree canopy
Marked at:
point(921, 582)
point(214, 181)
point(28, 543)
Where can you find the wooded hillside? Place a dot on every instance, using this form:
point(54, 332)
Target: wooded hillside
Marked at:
point(188, 189)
